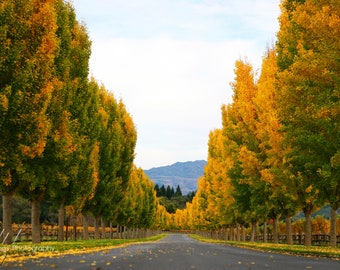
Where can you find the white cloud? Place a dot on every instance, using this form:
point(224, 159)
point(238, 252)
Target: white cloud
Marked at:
point(171, 62)
point(173, 89)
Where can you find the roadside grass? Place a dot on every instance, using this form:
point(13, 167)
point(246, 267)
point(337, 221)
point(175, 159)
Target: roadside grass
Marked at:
point(315, 251)
point(27, 250)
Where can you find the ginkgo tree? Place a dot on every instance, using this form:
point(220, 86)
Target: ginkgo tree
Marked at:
point(56, 170)
point(216, 175)
point(279, 149)
point(138, 208)
point(64, 138)
point(239, 128)
point(28, 49)
point(271, 143)
point(117, 140)
point(308, 95)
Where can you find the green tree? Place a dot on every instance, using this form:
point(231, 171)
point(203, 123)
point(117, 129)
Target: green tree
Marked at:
point(116, 153)
point(162, 191)
point(80, 99)
point(157, 189)
point(178, 191)
point(56, 171)
point(28, 48)
point(169, 192)
point(308, 89)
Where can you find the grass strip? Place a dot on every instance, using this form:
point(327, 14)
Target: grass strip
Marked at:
point(315, 251)
point(24, 250)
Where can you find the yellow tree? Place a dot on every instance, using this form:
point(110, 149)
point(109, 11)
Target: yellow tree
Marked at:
point(239, 129)
point(216, 175)
point(199, 205)
point(138, 208)
point(162, 219)
point(271, 143)
point(308, 91)
point(28, 48)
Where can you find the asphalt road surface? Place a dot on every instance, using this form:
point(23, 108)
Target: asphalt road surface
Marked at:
point(177, 252)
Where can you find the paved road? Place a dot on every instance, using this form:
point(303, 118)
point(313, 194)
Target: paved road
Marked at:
point(178, 252)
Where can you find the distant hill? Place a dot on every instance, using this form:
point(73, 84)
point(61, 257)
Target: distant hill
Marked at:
point(184, 174)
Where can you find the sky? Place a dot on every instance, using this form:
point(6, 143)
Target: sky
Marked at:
point(172, 62)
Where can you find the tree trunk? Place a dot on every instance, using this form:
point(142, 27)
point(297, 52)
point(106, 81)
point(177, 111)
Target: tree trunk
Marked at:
point(238, 234)
point(35, 220)
point(7, 218)
point(289, 232)
point(275, 231)
point(123, 232)
point(227, 234)
point(61, 220)
point(85, 227)
point(265, 232)
point(96, 228)
point(66, 229)
point(333, 236)
point(308, 229)
point(111, 230)
point(253, 231)
point(102, 222)
point(232, 234)
point(243, 233)
point(74, 223)
point(256, 231)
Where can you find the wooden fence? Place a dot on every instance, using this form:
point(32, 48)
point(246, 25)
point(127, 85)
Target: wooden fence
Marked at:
point(23, 233)
point(298, 239)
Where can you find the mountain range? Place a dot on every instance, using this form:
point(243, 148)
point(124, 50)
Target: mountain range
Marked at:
point(184, 174)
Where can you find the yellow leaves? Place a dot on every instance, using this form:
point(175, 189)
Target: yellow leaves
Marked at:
point(3, 103)
point(94, 167)
point(327, 113)
point(63, 137)
point(104, 116)
point(45, 93)
point(70, 210)
point(128, 123)
point(35, 149)
point(309, 189)
point(335, 160)
point(267, 176)
point(7, 180)
point(250, 163)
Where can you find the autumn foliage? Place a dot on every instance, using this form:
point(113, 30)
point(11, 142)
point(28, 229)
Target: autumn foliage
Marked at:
point(277, 151)
point(64, 138)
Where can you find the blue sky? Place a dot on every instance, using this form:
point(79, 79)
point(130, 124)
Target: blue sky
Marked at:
point(171, 61)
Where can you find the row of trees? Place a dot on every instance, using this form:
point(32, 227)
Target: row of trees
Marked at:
point(278, 151)
point(63, 137)
point(168, 192)
point(171, 200)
